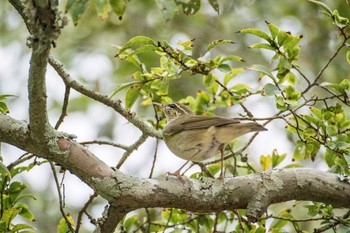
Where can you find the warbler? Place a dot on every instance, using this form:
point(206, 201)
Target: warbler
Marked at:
point(197, 138)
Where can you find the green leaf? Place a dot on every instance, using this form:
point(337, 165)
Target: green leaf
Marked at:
point(137, 41)
point(218, 42)
point(124, 86)
point(4, 171)
point(271, 89)
point(265, 162)
point(16, 187)
point(293, 165)
point(299, 151)
point(168, 8)
point(189, 7)
point(77, 9)
point(262, 46)
point(215, 5)
point(4, 97)
point(230, 75)
point(21, 226)
point(130, 223)
point(326, 9)
point(292, 93)
point(63, 226)
point(102, 8)
point(329, 157)
point(214, 168)
point(283, 38)
point(131, 95)
point(348, 56)
point(210, 83)
point(345, 84)
point(274, 30)
point(9, 214)
point(332, 130)
point(118, 7)
point(232, 58)
point(224, 68)
point(281, 103)
point(25, 212)
point(312, 210)
point(277, 159)
point(316, 112)
point(3, 108)
point(256, 32)
point(291, 78)
point(69, 4)
point(262, 69)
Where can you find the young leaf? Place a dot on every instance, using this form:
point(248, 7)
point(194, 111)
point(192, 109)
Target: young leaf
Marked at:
point(123, 86)
point(4, 171)
point(131, 95)
point(326, 9)
point(118, 7)
point(273, 29)
point(262, 46)
point(137, 41)
point(262, 69)
point(277, 159)
point(256, 32)
point(215, 5)
point(232, 58)
point(265, 162)
point(77, 9)
point(168, 8)
point(189, 7)
point(63, 226)
point(21, 226)
point(271, 89)
point(102, 8)
point(218, 42)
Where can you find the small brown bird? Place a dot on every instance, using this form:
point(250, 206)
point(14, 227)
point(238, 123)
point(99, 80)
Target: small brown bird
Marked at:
point(197, 138)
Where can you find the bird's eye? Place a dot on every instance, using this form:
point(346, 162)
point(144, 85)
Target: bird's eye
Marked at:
point(172, 106)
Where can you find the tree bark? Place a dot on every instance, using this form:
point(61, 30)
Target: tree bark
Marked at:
point(254, 192)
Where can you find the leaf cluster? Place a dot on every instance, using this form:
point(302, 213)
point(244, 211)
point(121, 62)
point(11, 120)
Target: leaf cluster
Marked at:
point(12, 200)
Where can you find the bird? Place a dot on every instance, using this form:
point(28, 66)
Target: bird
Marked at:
point(198, 138)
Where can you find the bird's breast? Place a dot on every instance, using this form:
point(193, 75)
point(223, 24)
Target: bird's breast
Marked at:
point(194, 145)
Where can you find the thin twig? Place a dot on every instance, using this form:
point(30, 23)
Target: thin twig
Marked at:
point(101, 142)
point(318, 76)
point(154, 158)
point(83, 210)
point(131, 148)
point(64, 107)
point(60, 197)
point(104, 99)
point(20, 160)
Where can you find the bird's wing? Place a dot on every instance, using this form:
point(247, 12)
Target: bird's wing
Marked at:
point(196, 122)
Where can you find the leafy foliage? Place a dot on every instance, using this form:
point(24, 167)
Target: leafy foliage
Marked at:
point(319, 123)
point(315, 114)
point(12, 200)
point(118, 7)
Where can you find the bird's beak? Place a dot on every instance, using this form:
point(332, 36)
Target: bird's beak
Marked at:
point(161, 106)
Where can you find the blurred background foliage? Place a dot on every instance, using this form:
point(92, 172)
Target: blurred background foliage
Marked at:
point(87, 50)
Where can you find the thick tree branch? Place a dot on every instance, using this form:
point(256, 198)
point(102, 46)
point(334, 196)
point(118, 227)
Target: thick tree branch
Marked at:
point(255, 192)
point(44, 24)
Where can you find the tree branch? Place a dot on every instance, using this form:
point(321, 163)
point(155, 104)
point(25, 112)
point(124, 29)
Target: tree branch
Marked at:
point(255, 192)
point(44, 24)
point(115, 104)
